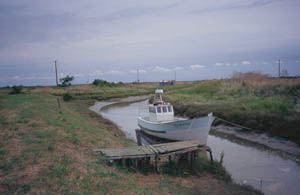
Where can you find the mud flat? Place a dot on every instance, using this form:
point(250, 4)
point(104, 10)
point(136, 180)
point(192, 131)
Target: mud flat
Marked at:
point(284, 147)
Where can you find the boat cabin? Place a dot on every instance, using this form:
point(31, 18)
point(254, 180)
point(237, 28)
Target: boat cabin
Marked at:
point(160, 110)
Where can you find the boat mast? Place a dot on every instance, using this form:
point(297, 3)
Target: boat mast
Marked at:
point(158, 97)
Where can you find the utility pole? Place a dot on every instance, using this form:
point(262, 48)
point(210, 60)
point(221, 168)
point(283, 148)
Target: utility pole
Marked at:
point(174, 75)
point(56, 73)
point(137, 72)
point(278, 68)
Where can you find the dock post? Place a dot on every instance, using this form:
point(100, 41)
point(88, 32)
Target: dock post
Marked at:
point(176, 159)
point(129, 162)
point(211, 156)
point(136, 163)
point(138, 137)
point(148, 161)
point(157, 168)
point(193, 158)
point(188, 156)
point(170, 159)
point(196, 154)
point(123, 162)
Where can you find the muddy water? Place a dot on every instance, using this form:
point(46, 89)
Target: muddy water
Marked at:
point(252, 164)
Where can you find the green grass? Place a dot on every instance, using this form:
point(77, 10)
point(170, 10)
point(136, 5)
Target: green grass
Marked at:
point(47, 150)
point(167, 186)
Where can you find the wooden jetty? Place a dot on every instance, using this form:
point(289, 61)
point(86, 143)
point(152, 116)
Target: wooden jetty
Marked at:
point(141, 155)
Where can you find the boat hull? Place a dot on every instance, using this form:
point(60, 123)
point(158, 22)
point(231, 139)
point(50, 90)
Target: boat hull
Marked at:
point(185, 129)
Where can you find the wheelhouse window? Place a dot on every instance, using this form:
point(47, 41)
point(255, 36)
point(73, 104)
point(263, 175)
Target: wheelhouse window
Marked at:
point(152, 109)
point(159, 109)
point(170, 109)
point(164, 109)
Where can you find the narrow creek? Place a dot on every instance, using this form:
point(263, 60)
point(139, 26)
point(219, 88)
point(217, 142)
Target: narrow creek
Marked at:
point(247, 163)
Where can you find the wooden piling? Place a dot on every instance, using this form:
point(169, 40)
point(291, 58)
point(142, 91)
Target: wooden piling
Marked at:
point(138, 137)
point(157, 168)
point(211, 156)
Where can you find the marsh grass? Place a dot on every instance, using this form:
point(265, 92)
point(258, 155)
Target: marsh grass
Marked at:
point(253, 100)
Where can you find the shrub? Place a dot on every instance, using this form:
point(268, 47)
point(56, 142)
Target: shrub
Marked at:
point(67, 97)
point(51, 147)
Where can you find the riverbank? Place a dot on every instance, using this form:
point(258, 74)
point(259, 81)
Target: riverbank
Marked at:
point(264, 104)
point(47, 148)
point(284, 148)
point(249, 162)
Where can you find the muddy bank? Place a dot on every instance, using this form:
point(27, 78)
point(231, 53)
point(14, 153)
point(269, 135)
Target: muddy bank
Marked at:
point(98, 105)
point(284, 148)
point(263, 139)
point(274, 124)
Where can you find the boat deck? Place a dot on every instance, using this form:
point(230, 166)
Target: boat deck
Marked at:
point(164, 121)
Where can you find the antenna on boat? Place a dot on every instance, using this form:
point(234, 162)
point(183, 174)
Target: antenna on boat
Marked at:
point(157, 97)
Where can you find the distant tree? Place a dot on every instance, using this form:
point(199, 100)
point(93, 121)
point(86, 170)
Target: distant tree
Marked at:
point(102, 83)
point(284, 73)
point(66, 81)
point(16, 89)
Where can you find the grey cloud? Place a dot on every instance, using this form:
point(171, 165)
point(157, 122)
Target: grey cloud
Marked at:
point(86, 36)
point(232, 5)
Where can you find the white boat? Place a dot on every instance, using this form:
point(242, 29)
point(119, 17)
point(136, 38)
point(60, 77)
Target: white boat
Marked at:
point(162, 123)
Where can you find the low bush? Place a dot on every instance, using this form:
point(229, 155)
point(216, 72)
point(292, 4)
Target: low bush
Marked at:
point(67, 97)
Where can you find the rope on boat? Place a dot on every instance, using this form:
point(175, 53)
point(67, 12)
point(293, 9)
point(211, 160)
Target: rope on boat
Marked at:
point(233, 124)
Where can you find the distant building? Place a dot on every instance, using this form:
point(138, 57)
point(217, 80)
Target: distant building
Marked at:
point(167, 82)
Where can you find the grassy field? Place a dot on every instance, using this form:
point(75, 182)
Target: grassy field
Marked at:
point(48, 150)
point(265, 104)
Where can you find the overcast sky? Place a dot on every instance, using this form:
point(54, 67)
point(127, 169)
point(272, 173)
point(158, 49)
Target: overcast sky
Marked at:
point(112, 39)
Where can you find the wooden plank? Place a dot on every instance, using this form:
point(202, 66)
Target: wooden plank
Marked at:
point(180, 151)
point(160, 149)
point(126, 151)
point(151, 150)
point(146, 150)
point(154, 149)
point(163, 148)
